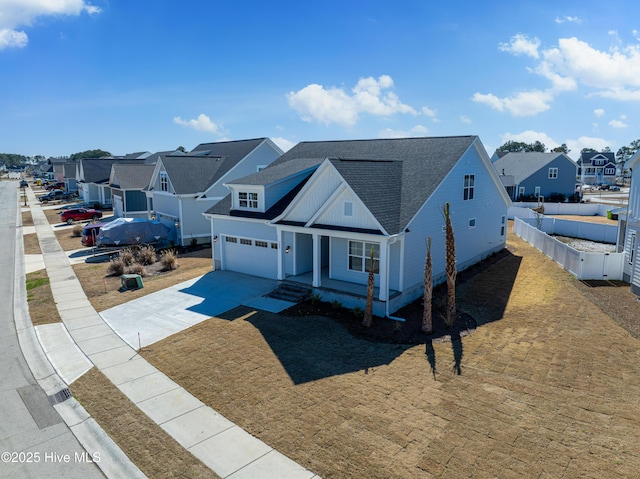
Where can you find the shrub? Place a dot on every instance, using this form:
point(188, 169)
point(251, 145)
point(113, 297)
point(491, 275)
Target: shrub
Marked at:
point(116, 267)
point(127, 257)
point(556, 198)
point(358, 312)
point(169, 259)
point(146, 255)
point(336, 305)
point(137, 268)
point(76, 231)
point(315, 298)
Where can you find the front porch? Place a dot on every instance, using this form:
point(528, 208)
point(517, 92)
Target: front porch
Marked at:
point(350, 295)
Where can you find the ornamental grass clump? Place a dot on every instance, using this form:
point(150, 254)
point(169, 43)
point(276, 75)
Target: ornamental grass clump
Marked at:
point(169, 259)
point(76, 231)
point(146, 255)
point(137, 268)
point(127, 257)
point(116, 266)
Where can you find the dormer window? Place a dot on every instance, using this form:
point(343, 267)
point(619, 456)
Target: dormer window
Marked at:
point(164, 181)
point(248, 200)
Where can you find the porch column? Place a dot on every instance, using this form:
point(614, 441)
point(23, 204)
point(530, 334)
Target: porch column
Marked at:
point(317, 263)
point(382, 296)
point(280, 239)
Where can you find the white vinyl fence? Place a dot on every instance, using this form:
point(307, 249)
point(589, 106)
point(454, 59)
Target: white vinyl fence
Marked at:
point(575, 209)
point(579, 263)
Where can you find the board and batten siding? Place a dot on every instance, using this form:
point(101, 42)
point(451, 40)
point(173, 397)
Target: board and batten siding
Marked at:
point(335, 215)
point(317, 193)
point(487, 207)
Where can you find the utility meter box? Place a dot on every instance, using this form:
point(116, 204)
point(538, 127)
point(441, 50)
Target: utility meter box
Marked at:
point(131, 281)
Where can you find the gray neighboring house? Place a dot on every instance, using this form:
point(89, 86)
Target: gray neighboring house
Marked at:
point(183, 186)
point(537, 174)
point(128, 182)
point(70, 177)
point(315, 214)
point(92, 177)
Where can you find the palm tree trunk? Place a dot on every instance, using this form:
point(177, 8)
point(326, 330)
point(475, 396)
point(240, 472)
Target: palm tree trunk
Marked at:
point(450, 268)
point(368, 311)
point(427, 323)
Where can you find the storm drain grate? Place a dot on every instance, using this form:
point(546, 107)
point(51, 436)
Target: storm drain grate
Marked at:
point(60, 396)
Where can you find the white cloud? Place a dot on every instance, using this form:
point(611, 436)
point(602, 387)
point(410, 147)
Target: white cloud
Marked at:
point(618, 124)
point(428, 111)
point(335, 105)
point(417, 130)
point(577, 145)
point(465, 119)
point(569, 19)
point(284, 144)
point(202, 123)
point(19, 13)
point(522, 104)
point(530, 136)
point(598, 112)
point(12, 39)
point(521, 45)
point(572, 63)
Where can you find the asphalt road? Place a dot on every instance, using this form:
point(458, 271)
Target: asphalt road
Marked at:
point(34, 441)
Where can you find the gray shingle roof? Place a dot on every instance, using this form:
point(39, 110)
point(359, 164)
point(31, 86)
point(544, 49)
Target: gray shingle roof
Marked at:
point(196, 171)
point(522, 165)
point(98, 170)
point(132, 176)
point(394, 189)
point(272, 174)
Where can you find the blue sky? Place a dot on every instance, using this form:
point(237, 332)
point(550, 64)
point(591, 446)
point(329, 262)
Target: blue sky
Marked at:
point(128, 75)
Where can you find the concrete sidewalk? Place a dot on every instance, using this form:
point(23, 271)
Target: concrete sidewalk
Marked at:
point(85, 340)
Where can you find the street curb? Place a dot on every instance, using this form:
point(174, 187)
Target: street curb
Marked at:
point(113, 462)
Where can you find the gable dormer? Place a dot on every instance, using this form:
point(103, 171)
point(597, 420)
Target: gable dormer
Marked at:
point(599, 160)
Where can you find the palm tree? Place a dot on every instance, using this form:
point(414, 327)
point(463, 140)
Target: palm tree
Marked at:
point(450, 267)
point(427, 323)
point(368, 310)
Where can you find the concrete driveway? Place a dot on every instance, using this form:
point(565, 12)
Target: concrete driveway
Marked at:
point(144, 321)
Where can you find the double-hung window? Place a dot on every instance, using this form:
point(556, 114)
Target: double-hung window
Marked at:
point(248, 200)
point(553, 173)
point(360, 256)
point(164, 181)
point(469, 181)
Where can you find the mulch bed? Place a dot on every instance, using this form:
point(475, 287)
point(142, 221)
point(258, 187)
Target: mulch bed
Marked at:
point(385, 330)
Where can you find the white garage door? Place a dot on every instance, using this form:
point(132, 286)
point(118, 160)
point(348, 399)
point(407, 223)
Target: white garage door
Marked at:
point(118, 207)
point(250, 256)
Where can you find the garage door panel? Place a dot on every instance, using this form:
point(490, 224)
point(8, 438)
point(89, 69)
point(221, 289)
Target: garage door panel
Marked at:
point(251, 259)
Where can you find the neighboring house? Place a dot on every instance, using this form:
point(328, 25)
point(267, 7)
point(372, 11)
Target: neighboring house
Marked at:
point(629, 225)
point(92, 177)
point(530, 175)
point(128, 182)
point(594, 167)
point(316, 213)
point(183, 186)
point(70, 183)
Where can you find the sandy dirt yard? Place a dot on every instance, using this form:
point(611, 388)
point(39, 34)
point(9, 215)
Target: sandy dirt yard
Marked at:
point(547, 385)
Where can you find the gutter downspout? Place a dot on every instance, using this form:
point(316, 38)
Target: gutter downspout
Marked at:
point(386, 307)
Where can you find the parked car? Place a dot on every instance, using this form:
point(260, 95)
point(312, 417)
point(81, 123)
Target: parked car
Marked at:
point(56, 186)
point(54, 195)
point(80, 214)
point(90, 233)
point(23, 184)
point(614, 188)
point(604, 186)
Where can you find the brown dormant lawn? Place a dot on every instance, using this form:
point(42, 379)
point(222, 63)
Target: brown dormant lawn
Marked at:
point(548, 384)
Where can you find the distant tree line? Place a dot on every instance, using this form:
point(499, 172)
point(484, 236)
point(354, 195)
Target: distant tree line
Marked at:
point(12, 159)
point(623, 154)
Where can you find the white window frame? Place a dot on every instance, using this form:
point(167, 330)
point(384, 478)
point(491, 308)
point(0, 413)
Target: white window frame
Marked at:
point(503, 221)
point(468, 187)
point(248, 200)
point(164, 181)
point(261, 244)
point(521, 191)
point(246, 242)
point(632, 247)
point(358, 256)
point(553, 173)
point(610, 171)
point(230, 239)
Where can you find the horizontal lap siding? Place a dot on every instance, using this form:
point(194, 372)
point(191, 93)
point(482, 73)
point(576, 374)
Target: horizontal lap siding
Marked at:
point(472, 244)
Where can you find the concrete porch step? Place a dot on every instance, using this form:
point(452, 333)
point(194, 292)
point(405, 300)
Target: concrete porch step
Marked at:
point(290, 292)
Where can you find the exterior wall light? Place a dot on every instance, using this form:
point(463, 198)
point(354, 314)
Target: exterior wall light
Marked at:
point(287, 249)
